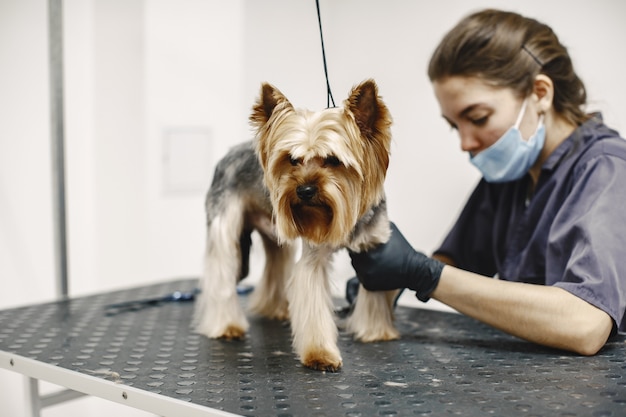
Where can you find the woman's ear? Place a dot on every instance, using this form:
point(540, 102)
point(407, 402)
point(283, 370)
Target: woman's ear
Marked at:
point(543, 89)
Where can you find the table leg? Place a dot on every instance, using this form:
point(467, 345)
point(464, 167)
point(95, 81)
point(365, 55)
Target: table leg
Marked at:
point(33, 400)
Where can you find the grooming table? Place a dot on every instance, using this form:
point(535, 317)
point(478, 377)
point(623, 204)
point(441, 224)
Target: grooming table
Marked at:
point(444, 364)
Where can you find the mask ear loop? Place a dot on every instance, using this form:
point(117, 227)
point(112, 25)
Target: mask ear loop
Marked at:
point(521, 113)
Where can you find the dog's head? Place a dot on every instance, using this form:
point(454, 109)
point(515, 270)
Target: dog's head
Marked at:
point(323, 169)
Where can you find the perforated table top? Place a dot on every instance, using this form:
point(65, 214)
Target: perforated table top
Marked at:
point(444, 364)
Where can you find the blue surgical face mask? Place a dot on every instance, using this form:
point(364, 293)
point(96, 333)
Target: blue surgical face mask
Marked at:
point(511, 156)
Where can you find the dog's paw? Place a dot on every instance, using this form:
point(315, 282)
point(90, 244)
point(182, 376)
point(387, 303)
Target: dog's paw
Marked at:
point(233, 333)
point(270, 309)
point(280, 314)
point(234, 330)
point(383, 335)
point(322, 360)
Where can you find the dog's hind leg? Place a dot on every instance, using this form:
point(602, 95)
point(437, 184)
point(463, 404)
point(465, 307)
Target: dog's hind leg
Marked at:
point(372, 318)
point(311, 310)
point(218, 313)
point(269, 298)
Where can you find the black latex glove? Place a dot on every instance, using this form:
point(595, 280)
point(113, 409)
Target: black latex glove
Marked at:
point(395, 265)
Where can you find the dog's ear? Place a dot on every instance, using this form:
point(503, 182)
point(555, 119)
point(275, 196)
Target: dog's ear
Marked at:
point(269, 99)
point(370, 113)
point(374, 123)
point(271, 103)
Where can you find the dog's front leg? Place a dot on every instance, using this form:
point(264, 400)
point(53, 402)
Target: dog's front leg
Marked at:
point(311, 310)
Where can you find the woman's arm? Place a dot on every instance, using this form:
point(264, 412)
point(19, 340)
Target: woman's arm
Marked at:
point(546, 315)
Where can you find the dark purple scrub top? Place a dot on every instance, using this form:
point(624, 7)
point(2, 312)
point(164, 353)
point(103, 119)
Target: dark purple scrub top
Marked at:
point(570, 233)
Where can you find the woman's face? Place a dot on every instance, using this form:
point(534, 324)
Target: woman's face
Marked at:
point(480, 112)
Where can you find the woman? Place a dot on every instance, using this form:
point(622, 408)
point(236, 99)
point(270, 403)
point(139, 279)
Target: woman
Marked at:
point(547, 217)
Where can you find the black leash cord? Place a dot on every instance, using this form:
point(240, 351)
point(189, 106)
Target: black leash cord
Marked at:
point(329, 93)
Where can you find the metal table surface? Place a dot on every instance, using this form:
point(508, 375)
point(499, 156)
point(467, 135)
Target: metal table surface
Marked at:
point(444, 364)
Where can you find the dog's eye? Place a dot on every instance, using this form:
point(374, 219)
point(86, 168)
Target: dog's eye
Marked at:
point(294, 161)
point(332, 161)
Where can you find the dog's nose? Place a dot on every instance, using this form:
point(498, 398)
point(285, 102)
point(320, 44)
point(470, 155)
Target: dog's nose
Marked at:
point(306, 192)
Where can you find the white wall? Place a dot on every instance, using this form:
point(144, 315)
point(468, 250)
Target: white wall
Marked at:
point(136, 70)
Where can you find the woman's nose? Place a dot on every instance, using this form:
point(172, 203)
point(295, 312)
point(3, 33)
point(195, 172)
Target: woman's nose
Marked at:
point(469, 143)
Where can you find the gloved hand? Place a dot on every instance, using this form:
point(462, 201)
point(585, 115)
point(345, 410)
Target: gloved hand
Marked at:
point(395, 265)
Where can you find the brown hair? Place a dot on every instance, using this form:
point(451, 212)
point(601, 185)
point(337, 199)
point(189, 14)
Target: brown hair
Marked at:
point(510, 50)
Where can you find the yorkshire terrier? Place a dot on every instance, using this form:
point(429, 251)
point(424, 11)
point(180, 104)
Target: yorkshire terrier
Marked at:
point(317, 176)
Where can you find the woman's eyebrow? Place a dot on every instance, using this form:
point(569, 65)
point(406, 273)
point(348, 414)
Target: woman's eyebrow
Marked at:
point(463, 113)
point(469, 109)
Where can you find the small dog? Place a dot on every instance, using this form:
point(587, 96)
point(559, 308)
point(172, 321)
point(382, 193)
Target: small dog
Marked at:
point(317, 176)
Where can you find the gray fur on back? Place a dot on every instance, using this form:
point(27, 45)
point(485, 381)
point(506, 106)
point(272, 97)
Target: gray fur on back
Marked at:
point(238, 172)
